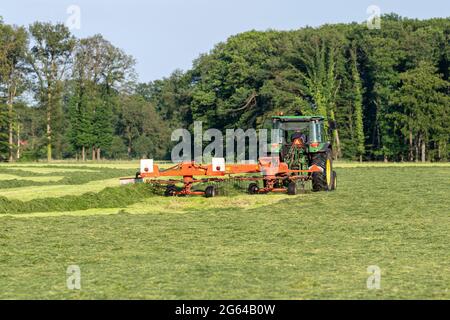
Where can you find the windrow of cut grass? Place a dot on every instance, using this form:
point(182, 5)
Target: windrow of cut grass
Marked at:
point(108, 198)
point(4, 177)
point(55, 191)
point(49, 169)
point(71, 176)
point(22, 183)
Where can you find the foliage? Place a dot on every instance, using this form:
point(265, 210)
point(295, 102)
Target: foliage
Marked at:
point(50, 57)
point(13, 47)
point(385, 92)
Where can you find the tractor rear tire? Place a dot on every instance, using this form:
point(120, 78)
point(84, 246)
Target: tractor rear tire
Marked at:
point(323, 181)
point(292, 188)
point(210, 192)
point(253, 188)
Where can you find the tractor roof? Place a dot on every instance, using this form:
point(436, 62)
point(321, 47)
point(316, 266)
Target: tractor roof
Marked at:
point(298, 118)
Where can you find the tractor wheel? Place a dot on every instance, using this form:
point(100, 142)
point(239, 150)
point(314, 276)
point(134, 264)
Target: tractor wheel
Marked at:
point(334, 187)
point(210, 192)
point(253, 188)
point(170, 191)
point(323, 181)
point(292, 188)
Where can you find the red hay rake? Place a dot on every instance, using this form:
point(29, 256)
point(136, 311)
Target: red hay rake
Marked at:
point(275, 175)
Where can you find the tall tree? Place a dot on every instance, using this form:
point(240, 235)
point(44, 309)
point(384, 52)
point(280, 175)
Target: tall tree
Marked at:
point(144, 131)
point(100, 72)
point(80, 131)
point(424, 105)
point(320, 79)
point(357, 106)
point(4, 146)
point(50, 58)
point(13, 46)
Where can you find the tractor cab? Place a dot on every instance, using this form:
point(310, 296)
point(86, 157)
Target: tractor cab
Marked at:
point(305, 131)
point(302, 143)
point(295, 139)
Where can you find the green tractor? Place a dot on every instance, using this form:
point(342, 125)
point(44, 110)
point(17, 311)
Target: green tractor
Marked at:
point(302, 142)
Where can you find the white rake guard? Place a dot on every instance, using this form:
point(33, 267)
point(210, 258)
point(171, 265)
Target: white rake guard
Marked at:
point(218, 164)
point(146, 165)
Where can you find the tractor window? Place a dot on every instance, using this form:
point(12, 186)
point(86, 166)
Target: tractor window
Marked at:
point(316, 131)
point(290, 128)
point(276, 132)
point(323, 132)
point(296, 126)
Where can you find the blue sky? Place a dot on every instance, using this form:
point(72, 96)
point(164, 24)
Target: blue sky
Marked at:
point(164, 35)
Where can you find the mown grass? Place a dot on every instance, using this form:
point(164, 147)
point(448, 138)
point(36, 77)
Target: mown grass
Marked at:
point(315, 245)
point(52, 178)
point(106, 198)
point(57, 190)
point(44, 176)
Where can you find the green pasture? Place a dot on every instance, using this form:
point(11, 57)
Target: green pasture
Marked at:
point(132, 243)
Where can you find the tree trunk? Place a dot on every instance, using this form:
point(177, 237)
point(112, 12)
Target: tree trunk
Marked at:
point(93, 153)
point(49, 128)
point(423, 147)
point(129, 142)
point(416, 147)
point(98, 154)
point(18, 142)
point(338, 143)
point(411, 155)
point(336, 136)
point(10, 129)
point(360, 158)
point(83, 153)
point(33, 134)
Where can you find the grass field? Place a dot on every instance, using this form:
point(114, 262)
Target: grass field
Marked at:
point(129, 242)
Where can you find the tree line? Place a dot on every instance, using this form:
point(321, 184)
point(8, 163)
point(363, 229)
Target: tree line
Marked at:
point(384, 92)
